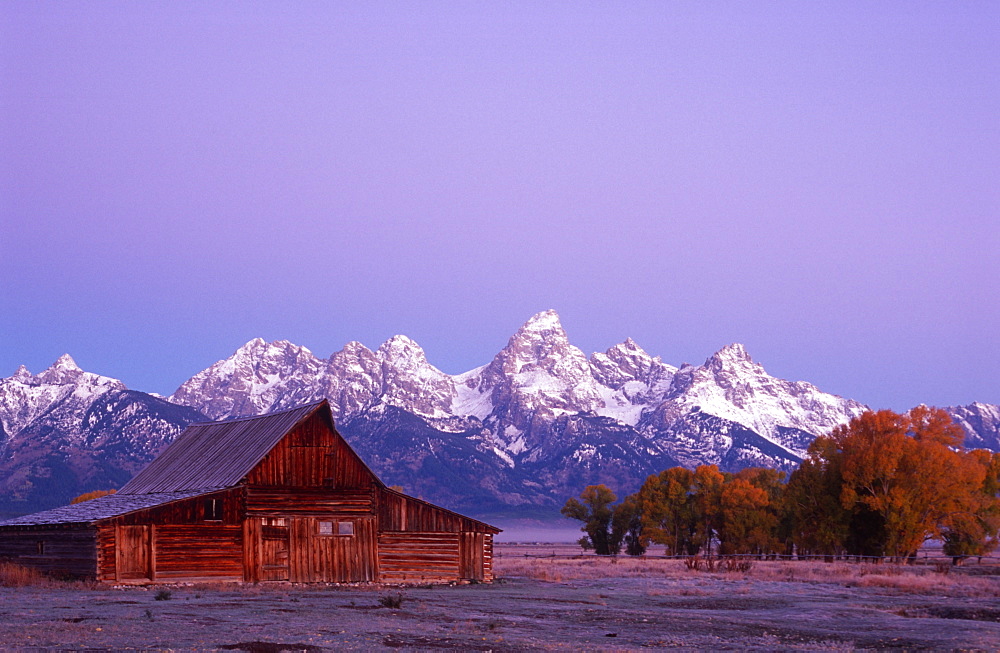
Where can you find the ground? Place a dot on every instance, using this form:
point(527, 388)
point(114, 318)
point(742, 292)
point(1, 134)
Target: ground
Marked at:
point(538, 603)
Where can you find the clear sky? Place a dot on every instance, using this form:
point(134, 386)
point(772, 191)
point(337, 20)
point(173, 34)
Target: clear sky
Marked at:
point(819, 181)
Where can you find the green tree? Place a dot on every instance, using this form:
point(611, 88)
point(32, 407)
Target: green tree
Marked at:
point(668, 510)
point(817, 520)
point(626, 525)
point(595, 511)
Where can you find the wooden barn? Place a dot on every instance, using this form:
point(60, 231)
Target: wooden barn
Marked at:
point(280, 497)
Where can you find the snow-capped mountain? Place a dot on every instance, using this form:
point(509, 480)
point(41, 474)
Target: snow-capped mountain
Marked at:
point(65, 431)
point(542, 414)
point(981, 423)
point(531, 427)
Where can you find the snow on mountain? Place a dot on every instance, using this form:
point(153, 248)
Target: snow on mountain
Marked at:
point(732, 386)
point(981, 423)
point(512, 403)
point(258, 378)
point(66, 431)
point(25, 397)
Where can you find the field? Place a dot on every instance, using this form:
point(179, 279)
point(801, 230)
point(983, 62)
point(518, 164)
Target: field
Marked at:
point(559, 603)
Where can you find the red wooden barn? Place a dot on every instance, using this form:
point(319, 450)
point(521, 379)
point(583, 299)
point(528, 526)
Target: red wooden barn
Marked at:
point(280, 497)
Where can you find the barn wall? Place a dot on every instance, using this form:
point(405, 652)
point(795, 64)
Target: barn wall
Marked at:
point(398, 512)
point(333, 558)
point(198, 552)
point(411, 557)
point(58, 550)
point(174, 542)
point(308, 501)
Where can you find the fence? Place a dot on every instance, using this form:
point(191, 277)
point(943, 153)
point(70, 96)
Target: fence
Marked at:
point(923, 558)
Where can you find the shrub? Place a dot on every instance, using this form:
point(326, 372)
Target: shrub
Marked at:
point(391, 600)
point(87, 496)
point(13, 575)
point(740, 565)
point(163, 595)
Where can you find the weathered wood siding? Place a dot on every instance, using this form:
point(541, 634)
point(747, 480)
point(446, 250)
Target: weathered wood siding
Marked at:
point(309, 501)
point(198, 552)
point(398, 512)
point(59, 550)
point(175, 542)
point(410, 556)
point(476, 556)
point(312, 455)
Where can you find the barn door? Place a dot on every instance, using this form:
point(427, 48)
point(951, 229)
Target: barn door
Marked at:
point(274, 549)
point(133, 553)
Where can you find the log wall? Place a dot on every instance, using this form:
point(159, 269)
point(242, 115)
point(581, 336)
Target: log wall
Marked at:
point(412, 557)
point(58, 550)
point(174, 542)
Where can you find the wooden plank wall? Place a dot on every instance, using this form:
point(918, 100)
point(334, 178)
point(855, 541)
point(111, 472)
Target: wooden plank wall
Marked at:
point(180, 544)
point(188, 552)
point(333, 558)
point(312, 455)
point(398, 512)
point(418, 557)
point(309, 501)
point(66, 551)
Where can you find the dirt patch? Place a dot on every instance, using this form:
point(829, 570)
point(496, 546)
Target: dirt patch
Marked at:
point(269, 647)
point(730, 603)
point(951, 612)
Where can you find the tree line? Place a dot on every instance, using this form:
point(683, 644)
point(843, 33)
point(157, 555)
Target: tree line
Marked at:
point(879, 487)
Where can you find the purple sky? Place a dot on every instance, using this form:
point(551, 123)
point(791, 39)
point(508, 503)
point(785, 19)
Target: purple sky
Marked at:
point(818, 181)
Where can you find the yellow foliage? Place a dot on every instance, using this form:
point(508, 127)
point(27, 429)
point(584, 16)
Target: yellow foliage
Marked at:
point(87, 496)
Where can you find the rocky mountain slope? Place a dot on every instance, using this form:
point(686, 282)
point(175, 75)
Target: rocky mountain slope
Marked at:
point(65, 431)
point(531, 427)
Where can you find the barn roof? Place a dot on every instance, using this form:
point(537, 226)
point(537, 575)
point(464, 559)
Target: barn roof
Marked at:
point(217, 454)
point(111, 505)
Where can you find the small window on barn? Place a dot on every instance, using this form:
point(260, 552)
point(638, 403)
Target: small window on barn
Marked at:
point(336, 528)
point(213, 509)
point(275, 521)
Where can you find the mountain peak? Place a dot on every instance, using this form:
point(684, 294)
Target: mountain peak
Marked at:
point(400, 346)
point(65, 363)
point(545, 321)
point(22, 373)
point(731, 353)
point(62, 371)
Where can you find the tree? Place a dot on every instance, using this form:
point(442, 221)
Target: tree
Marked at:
point(668, 510)
point(975, 532)
point(596, 513)
point(749, 502)
point(626, 525)
point(905, 478)
point(817, 520)
point(708, 482)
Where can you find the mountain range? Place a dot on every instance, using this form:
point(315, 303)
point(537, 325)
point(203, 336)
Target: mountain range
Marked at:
point(528, 429)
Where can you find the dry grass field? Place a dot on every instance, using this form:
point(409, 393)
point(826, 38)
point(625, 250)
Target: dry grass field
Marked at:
point(538, 603)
